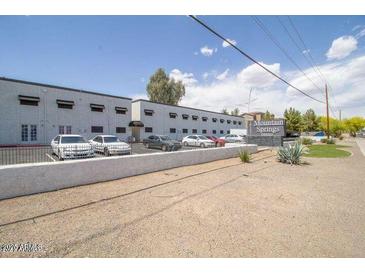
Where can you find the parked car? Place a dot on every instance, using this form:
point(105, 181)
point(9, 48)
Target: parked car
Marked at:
point(218, 142)
point(109, 145)
point(162, 142)
point(292, 134)
point(198, 141)
point(68, 146)
point(232, 138)
point(318, 136)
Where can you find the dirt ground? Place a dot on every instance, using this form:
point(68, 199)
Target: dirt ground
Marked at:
point(218, 209)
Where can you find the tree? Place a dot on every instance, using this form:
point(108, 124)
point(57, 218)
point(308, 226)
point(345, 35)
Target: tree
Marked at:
point(235, 112)
point(268, 116)
point(162, 89)
point(336, 126)
point(225, 111)
point(354, 124)
point(310, 121)
point(293, 119)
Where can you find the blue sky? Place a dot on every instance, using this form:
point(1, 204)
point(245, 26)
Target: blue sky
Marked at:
point(117, 54)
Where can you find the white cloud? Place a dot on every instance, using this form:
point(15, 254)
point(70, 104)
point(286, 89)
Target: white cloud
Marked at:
point(341, 47)
point(186, 78)
point(223, 75)
point(205, 75)
point(225, 44)
point(360, 34)
point(257, 76)
point(306, 51)
point(206, 51)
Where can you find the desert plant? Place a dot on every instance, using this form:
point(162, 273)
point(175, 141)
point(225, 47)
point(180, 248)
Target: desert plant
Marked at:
point(306, 141)
point(291, 154)
point(331, 141)
point(245, 156)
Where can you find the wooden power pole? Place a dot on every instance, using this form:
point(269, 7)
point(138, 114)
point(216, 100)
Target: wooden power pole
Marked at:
point(328, 118)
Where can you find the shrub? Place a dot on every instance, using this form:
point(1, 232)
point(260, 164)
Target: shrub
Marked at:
point(324, 140)
point(245, 156)
point(340, 137)
point(307, 141)
point(291, 154)
point(331, 141)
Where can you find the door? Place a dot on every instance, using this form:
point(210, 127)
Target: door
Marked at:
point(29, 134)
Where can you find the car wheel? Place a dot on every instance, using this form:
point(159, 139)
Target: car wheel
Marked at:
point(185, 144)
point(106, 152)
point(202, 145)
point(59, 156)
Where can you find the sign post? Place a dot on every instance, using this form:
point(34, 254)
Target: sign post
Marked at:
point(266, 133)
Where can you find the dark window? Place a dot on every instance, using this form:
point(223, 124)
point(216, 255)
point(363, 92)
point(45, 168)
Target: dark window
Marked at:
point(64, 129)
point(147, 129)
point(194, 117)
point(65, 104)
point(97, 108)
point(24, 133)
point(173, 115)
point(205, 119)
point(221, 131)
point(214, 131)
point(120, 129)
point(234, 122)
point(172, 130)
point(204, 131)
point(221, 120)
point(28, 100)
point(96, 129)
point(194, 130)
point(120, 110)
point(214, 120)
point(98, 139)
point(228, 131)
point(185, 116)
point(57, 139)
point(239, 123)
point(185, 130)
point(148, 112)
point(228, 121)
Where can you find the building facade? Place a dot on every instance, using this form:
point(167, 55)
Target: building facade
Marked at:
point(34, 113)
point(177, 121)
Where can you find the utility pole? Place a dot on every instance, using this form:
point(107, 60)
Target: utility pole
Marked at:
point(328, 118)
point(340, 115)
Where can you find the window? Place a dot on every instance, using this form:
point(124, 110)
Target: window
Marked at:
point(28, 100)
point(194, 117)
point(33, 132)
point(98, 139)
point(214, 120)
point(185, 116)
point(65, 104)
point(120, 130)
point(194, 130)
point(147, 129)
point(228, 131)
point(214, 131)
point(96, 129)
point(204, 131)
point(68, 129)
point(205, 119)
point(221, 131)
point(57, 139)
point(221, 120)
point(185, 130)
point(234, 122)
point(152, 137)
point(228, 121)
point(172, 130)
point(120, 110)
point(64, 129)
point(24, 133)
point(239, 122)
point(173, 115)
point(97, 108)
point(148, 112)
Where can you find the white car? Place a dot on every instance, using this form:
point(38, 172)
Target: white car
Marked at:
point(109, 145)
point(198, 141)
point(69, 146)
point(233, 138)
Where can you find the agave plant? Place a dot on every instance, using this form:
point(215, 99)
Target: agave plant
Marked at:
point(292, 153)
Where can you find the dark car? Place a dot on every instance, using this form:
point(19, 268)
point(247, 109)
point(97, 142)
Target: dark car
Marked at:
point(218, 142)
point(162, 142)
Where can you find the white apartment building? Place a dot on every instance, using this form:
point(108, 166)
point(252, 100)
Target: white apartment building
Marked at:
point(34, 113)
point(177, 121)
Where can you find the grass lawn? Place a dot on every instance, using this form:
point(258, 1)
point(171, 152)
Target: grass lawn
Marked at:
point(326, 151)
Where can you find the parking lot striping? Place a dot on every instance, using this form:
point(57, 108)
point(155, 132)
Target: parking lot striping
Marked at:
point(50, 157)
point(139, 190)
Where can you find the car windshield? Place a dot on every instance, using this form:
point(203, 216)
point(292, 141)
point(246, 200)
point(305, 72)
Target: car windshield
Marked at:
point(73, 140)
point(165, 138)
point(201, 137)
point(111, 139)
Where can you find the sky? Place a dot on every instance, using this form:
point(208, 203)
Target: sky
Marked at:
point(118, 54)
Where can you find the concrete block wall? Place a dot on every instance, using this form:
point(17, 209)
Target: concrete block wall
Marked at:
point(25, 179)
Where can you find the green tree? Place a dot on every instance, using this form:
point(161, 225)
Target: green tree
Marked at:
point(268, 116)
point(162, 89)
point(225, 111)
point(293, 119)
point(336, 126)
point(310, 121)
point(235, 112)
point(354, 124)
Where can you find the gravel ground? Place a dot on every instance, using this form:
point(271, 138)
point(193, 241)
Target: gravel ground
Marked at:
point(217, 209)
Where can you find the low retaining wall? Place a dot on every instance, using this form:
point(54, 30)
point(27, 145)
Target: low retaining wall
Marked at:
point(24, 179)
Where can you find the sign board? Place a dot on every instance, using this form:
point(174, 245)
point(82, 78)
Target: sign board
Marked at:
point(267, 128)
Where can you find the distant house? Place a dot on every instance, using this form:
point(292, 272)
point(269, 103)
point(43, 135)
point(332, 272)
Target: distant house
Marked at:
point(252, 116)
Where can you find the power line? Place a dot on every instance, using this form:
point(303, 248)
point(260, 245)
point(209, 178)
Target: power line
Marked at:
point(252, 59)
point(276, 42)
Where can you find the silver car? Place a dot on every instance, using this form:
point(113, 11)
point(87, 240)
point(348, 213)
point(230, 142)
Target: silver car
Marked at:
point(69, 146)
point(109, 145)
